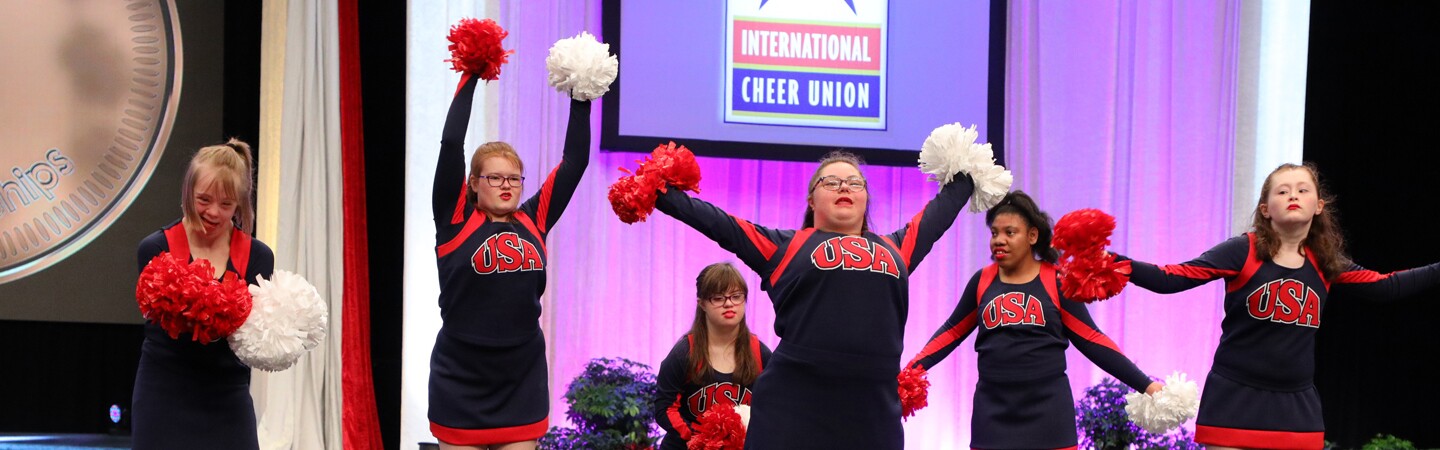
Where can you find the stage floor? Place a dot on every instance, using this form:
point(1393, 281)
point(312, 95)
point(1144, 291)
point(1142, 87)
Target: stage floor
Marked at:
point(9, 441)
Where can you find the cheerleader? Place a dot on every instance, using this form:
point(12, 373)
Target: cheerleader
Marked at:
point(488, 380)
point(192, 394)
point(841, 297)
point(715, 363)
point(1260, 391)
point(1022, 400)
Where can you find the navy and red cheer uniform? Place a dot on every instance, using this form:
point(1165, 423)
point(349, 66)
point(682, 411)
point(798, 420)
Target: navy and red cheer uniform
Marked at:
point(1260, 391)
point(840, 307)
point(681, 400)
point(1022, 399)
point(488, 380)
point(188, 394)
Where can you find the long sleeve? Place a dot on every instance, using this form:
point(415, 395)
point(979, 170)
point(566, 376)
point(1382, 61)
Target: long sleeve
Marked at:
point(954, 331)
point(1222, 261)
point(753, 244)
point(150, 247)
point(560, 185)
point(670, 382)
point(447, 195)
point(920, 234)
point(1372, 285)
point(1098, 347)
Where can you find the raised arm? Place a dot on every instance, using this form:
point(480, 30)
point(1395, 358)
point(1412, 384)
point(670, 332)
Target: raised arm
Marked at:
point(951, 333)
point(918, 236)
point(554, 195)
point(1223, 261)
point(1098, 347)
point(447, 196)
point(754, 244)
point(1372, 285)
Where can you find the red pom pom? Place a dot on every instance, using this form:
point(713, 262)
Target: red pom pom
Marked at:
point(1084, 230)
point(220, 310)
point(675, 165)
point(914, 390)
point(719, 428)
point(633, 196)
point(1092, 278)
point(475, 48)
point(183, 298)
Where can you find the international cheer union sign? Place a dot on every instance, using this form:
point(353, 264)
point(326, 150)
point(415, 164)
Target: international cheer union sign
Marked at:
point(814, 63)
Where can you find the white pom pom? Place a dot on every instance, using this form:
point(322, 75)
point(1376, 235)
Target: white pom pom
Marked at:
point(744, 412)
point(952, 149)
point(287, 319)
point(581, 66)
point(1176, 403)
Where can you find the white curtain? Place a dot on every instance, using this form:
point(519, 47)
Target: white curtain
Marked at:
point(300, 408)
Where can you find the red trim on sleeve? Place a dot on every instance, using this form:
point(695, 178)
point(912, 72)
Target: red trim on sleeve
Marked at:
point(518, 433)
point(946, 338)
point(1242, 438)
point(529, 224)
point(463, 78)
point(542, 213)
point(1197, 272)
point(1360, 276)
point(1252, 265)
point(790, 250)
point(676, 420)
point(473, 224)
point(761, 243)
point(755, 352)
point(911, 232)
point(1047, 277)
point(459, 215)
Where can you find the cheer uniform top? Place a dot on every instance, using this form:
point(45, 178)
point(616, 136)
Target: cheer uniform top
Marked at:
point(840, 307)
point(681, 400)
point(1260, 392)
point(190, 394)
point(488, 380)
point(1022, 400)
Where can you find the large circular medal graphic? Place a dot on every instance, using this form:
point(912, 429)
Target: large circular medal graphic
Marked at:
point(88, 98)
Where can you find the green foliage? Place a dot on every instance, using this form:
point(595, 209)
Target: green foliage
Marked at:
point(1103, 424)
point(1388, 442)
point(609, 406)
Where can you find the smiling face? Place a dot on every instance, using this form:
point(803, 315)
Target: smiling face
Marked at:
point(1292, 199)
point(841, 210)
point(213, 203)
point(1011, 239)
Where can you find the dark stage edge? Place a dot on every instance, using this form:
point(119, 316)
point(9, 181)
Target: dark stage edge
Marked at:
point(11, 441)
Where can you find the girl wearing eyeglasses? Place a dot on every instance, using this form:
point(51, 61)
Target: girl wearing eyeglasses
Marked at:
point(715, 363)
point(488, 381)
point(1022, 399)
point(841, 295)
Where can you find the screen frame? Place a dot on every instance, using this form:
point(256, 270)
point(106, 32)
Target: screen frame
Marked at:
point(612, 141)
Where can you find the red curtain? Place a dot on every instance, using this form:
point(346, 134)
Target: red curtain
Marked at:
point(362, 424)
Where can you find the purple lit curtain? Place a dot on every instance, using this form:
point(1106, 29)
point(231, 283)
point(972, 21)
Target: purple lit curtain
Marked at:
point(1121, 105)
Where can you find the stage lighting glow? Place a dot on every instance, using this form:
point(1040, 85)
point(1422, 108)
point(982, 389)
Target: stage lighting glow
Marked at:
point(115, 413)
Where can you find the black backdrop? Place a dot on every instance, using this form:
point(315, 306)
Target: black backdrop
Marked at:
point(1370, 109)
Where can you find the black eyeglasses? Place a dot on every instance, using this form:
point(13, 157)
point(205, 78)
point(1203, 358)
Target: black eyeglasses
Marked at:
point(499, 180)
point(833, 183)
point(737, 298)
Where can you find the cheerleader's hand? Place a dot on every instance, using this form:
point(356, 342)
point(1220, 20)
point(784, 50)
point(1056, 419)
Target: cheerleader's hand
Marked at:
point(1155, 386)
